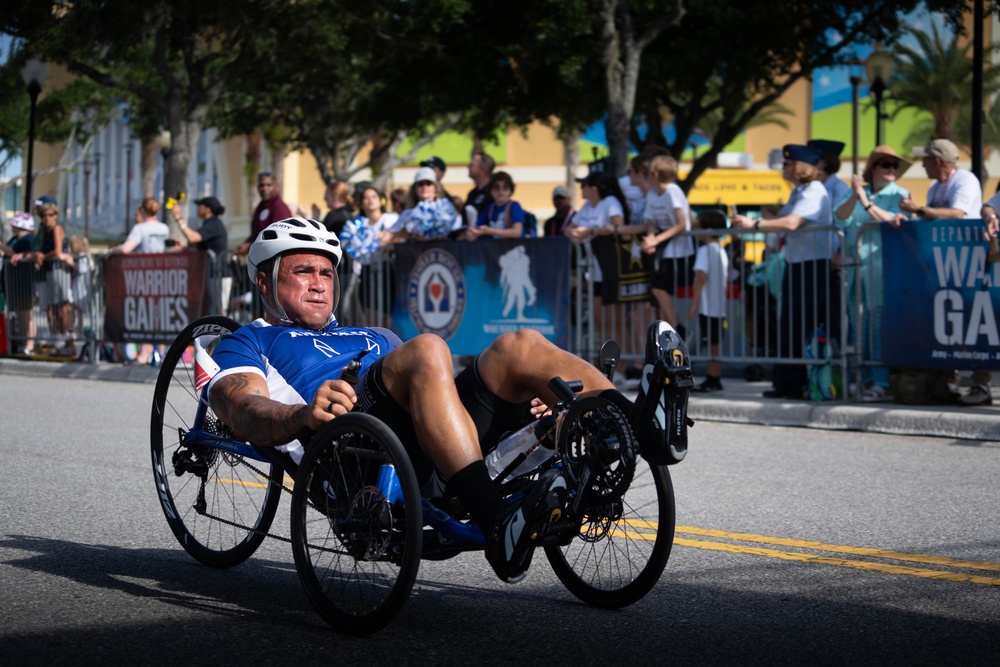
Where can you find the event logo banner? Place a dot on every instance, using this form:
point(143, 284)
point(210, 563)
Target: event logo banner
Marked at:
point(151, 297)
point(941, 297)
point(470, 292)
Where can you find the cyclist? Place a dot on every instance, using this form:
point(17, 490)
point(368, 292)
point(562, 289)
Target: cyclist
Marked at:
point(274, 387)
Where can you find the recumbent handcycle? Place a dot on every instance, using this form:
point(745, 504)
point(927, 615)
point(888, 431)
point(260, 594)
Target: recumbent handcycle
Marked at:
point(359, 526)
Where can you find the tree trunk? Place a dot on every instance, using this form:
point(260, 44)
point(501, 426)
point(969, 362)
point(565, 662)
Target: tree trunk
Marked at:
point(149, 162)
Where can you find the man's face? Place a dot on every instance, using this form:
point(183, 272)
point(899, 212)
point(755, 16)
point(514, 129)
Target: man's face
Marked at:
point(265, 186)
point(475, 168)
point(561, 204)
point(305, 288)
point(932, 166)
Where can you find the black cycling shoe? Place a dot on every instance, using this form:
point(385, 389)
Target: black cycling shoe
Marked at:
point(511, 543)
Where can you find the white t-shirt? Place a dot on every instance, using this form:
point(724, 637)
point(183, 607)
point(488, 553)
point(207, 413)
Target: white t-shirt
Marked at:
point(634, 197)
point(714, 262)
point(150, 236)
point(597, 216)
point(660, 210)
point(812, 203)
point(962, 191)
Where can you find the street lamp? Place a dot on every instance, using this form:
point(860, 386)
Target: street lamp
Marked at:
point(855, 80)
point(878, 67)
point(34, 76)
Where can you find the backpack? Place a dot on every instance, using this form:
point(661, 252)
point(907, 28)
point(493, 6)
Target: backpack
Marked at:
point(824, 379)
point(530, 230)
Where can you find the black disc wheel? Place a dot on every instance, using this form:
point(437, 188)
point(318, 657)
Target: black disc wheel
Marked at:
point(357, 526)
point(218, 504)
point(626, 516)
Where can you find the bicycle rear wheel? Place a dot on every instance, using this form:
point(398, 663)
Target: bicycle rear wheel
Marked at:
point(219, 505)
point(627, 525)
point(356, 540)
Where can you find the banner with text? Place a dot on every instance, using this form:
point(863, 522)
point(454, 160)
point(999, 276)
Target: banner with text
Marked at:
point(470, 292)
point(152, 297)
point(941, 297)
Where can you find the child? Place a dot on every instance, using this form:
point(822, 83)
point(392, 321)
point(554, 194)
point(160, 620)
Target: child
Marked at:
point(711, 269)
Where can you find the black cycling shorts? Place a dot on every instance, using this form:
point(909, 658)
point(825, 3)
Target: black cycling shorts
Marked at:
point(374, 399)
point(493, 416)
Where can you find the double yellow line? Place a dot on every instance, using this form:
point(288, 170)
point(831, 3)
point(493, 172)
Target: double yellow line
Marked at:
point(863, 552)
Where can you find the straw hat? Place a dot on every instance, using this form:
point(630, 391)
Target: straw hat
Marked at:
point(880, 152)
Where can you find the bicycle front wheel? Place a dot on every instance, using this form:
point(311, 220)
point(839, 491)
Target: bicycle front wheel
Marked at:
point(623, 544)
point(219, 505)
point(357, 527)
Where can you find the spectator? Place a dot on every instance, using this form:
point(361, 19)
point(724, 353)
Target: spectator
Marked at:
point(878, 201)
point(808, 303)
point(481, 168)
point(979, 392)
point(270, 209)
point(504, 217)
point(148, 234)
point(600, 215)
point(80, 297)
point(211, 236)
point(667, 216)
point(439, 167)
point(56, 266)
point(955, 193)
point(340, 203)
point(828, 166)
point(708, 298)
point(563, 204)
point(19, 281)
point(366, 239)
point(429, 214)
point(398, 199)
point(633, 186)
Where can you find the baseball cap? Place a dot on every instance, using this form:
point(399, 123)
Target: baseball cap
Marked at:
point(46, 199)
point(23, 221)
point(939, 148)
point(560, 191)
point(826, 146)
point(425, 174)
point(213, 205)
point(808, 154)
point(434, 162)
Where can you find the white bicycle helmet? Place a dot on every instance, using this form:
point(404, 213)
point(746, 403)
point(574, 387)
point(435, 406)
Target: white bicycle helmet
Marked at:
point(292, 235)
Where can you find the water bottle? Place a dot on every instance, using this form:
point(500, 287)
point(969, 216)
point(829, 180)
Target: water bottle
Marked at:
point(518, 444)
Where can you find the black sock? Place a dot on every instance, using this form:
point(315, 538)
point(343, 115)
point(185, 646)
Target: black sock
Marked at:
point(474, 487)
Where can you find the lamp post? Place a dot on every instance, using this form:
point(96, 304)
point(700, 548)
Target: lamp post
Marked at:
point(878, 67)
point(855, 80)
point(33, 75)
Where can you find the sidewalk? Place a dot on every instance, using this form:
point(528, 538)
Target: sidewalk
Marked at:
point(741, 402)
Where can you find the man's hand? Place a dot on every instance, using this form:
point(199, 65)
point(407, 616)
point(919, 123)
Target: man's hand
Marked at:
point(332, 399)
point(908, 205)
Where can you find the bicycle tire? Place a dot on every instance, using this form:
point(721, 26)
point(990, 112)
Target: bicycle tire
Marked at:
point(615, 561)
point(356, 552)
point(243, 499)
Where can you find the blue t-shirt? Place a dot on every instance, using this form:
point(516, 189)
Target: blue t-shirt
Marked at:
point(495, 217)
point(295, 362)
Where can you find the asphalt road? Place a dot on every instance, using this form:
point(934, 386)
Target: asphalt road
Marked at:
point(793, 546)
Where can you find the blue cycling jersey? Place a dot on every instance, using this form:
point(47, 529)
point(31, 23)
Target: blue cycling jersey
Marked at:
point(295, 362)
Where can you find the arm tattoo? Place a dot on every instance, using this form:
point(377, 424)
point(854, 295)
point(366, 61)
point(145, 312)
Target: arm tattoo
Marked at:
point(252, 415)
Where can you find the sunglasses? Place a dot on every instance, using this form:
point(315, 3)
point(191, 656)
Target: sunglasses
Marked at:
point(889, 165)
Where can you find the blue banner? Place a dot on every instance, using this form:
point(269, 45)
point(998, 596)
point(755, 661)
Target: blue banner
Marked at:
point(470, 292)
point(941, 297)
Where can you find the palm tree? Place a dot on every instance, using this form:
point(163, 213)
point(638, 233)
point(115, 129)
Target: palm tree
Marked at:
point(937, 78)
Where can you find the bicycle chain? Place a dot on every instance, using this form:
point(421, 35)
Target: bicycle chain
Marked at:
point(255, 531)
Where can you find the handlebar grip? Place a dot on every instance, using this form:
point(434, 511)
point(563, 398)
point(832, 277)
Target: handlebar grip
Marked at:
point(350, 372)
point(565, 391)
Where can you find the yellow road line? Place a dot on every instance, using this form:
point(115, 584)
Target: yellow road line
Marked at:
point(835, 548)
point(841, 562)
